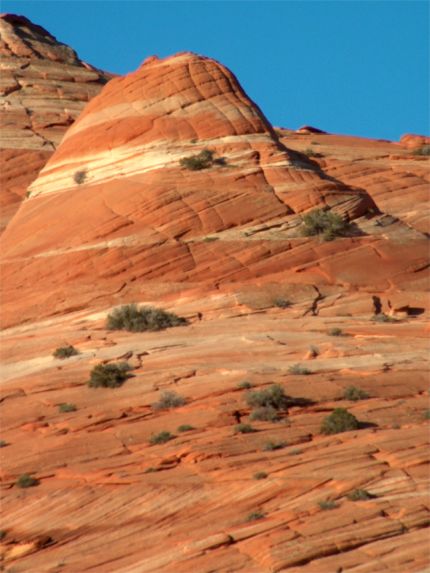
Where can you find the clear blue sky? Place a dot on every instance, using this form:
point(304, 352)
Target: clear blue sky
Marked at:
point(345, 66)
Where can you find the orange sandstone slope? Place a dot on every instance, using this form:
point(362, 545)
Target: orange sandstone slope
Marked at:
point(43, 88)
point(126, 220)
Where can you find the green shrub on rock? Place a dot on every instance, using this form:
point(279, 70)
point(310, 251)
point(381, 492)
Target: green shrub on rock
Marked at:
point(145, 318)
point(109, 375)
point(340, 420)
point(325, 224)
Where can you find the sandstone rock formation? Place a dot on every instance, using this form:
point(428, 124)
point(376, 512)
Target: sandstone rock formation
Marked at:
point(115, 216)
point(43, 88)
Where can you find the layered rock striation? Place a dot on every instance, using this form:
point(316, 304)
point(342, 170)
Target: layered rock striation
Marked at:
point(43, 88)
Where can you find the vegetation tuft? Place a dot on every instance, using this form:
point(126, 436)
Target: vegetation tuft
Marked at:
point(340, 420)
point(282, 303)
point(109, 375)
point(202, 160)
point(245, 385)
point(335, 331)
point(255, 515)
point(185, 428)
point(139, 319)
point(169, 400)
point(260, 475)
point(325, 224)
point(65, 352)
point(264, 414)
point(161, 438)
point(26, 480)
point(359, 495)
point(244, 429)
point(273, 397)
point(298, 369)
point(382, 317)
point(271, 446)
point(64, 407)
point(79, 177)
point(3, 443)
point(424, 150)
point(353, 393)
point(327, 504)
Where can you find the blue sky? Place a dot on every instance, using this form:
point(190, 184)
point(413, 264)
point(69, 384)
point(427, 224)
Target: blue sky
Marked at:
point(345, 66)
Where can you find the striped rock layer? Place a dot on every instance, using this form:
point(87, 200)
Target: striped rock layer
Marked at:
point(114, 216)
point(43, 88)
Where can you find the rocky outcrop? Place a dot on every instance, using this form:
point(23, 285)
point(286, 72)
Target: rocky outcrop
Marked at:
point(43, 88)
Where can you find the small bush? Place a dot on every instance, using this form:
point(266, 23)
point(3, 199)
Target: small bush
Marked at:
point(426, 415)
point(325, 224)
point(79, 177)
point(382, 317)
point(359, 495)
point(64, 407)
point(3, 534)
point(295, 452)
point(272, 446)
point(109, 375)
point(26, 480)
point(340, 420)
point(3, 443)
point(264, 414)
point(65, 352)
point(150, 470)
point(202, 160)
point(309, 152)
point(297, 369)
point(260, 475)
point(210, 239)
point(335, 331)
point(139, 319)
point(353, 393)
point(282, 303)
point(314, 351)
point(169, 400)
point(424, 150)
point(273, 397)
point(327, 504)
point(161, 438)
point(245, 385)
point(244, 429)
point(185, 428)
point(255, 515)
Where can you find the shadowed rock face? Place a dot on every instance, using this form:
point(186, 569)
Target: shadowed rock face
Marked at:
point(44, 86)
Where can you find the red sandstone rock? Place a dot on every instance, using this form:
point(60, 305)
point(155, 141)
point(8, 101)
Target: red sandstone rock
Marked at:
point(44, 86)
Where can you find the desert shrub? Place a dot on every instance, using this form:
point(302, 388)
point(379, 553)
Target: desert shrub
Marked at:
point(271, 446)
point(139, 319)
point(424, 150)
point(298, 369)
point(340, 420)
point(64, 407)
point(382, 317)
point(202, 160)
point(169, 400)
point(295, 452)
point(185, 428)
point(65, 352)
point(264, 414)
point(244, 429)
point(3, 534)
point(282, 303)
point(359, 495)
point(260, 475)
point(353, 393)
point(309, 152)
point(426, 415)
point(79, 177)
point(3, 443)
point(109, 375)
point(26, 480)
point(327, 504)
point(255, 515)
point(273, 397)
point(314, 351)
point(245, 385)
point(161, 438)
point(210, 239)
point(325, 224)
point(150, 470)
point(335, 331)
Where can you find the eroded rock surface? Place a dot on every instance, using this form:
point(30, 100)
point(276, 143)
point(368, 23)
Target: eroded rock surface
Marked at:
point(43, 88)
